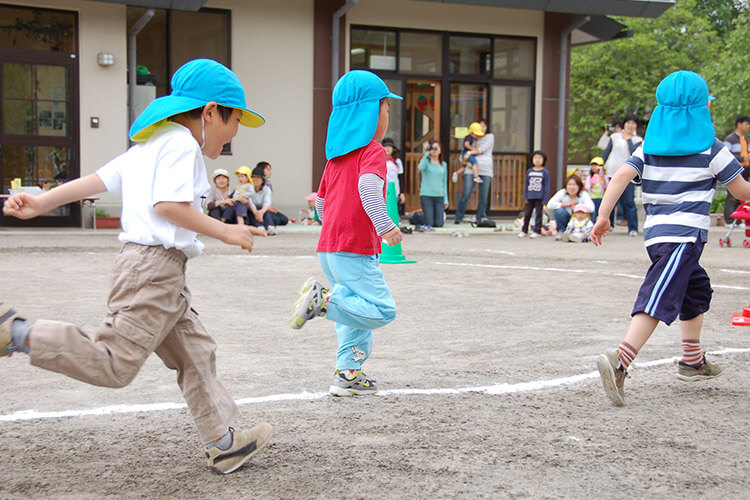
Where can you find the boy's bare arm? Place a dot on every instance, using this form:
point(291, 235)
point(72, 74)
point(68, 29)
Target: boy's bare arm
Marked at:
point(739, 188)
point(27, 206)
point(184, 215)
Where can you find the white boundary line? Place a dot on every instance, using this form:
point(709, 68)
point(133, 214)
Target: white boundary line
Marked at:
point(563, 270)
point(494, 390)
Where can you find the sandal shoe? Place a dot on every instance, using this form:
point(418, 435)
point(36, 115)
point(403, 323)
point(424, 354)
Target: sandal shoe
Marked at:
point(7, 316)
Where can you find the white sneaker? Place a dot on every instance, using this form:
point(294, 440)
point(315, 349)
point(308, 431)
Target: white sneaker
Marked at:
point(566, 236)
point(478, 180)
point(534, 235)
point(633, 233)
point(521, 234)
point(271, 230)
point(454, 177)
point(574, 238)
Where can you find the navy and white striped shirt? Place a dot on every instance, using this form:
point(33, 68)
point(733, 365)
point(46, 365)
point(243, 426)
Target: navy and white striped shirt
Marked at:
point(678, 190)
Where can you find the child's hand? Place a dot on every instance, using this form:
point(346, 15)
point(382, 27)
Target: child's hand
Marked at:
point(229, 202)
point(600, 230)
point(22, 206)
point(240, 236)
point(393, 237)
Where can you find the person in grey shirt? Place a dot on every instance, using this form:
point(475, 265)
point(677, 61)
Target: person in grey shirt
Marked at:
point(485, 146)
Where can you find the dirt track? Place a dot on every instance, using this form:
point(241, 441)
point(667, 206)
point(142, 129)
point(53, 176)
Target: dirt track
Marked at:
point(484, 323)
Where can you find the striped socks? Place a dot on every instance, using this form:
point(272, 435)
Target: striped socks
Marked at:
point(627, 354)
point(692, 354)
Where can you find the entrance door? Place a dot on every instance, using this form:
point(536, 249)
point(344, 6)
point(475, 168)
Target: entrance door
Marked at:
point(39, 110)
point(422, 124)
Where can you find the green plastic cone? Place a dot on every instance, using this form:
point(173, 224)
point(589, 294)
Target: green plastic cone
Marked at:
point(393, 254)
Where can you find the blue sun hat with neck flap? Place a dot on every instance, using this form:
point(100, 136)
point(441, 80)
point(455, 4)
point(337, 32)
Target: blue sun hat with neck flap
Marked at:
point(356, 110)
point(195, 84)
point(681, 122)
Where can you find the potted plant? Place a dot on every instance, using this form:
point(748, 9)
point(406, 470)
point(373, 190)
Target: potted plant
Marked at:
point(104, 221)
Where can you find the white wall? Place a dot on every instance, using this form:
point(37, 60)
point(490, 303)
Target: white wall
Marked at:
point(272, 54)
point(459, 18)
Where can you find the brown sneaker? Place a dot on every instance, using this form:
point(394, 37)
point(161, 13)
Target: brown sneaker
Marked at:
point(613, 377)
point(705, 371)
point(245, 444)
point(7, 316)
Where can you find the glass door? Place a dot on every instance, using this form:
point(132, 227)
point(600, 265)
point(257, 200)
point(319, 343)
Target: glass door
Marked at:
point(39, 108)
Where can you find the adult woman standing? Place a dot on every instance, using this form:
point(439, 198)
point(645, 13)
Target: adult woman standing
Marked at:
point(621, 146)
point(485, 146)
point(562, 203)
point(220, 196)
point(433, 188)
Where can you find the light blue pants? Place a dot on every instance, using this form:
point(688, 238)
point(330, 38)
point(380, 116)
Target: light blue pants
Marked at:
point(360, 301)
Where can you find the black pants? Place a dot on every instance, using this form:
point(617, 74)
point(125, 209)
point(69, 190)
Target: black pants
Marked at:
point(532, 205)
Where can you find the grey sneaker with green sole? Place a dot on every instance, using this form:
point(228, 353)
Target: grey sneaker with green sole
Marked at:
point(357, 385)
point(245, 444)
point(705, 371)
point(613, 377)
point(311, 302)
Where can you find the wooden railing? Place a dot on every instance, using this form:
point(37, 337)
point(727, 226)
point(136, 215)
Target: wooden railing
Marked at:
point(506, 192)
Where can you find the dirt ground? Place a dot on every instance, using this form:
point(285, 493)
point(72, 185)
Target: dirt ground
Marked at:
point(487, 376)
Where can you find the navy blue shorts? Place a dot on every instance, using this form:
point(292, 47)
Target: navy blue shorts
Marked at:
point(675, 283)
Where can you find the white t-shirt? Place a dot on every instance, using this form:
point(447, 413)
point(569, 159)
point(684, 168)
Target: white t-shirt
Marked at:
point(167, 167)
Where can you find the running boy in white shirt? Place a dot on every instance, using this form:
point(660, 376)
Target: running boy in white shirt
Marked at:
point(161, 180)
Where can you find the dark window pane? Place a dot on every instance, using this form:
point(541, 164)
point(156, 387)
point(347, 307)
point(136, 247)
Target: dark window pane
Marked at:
point(469, 55)
point(37, 29)
point(151, 48)
point(18, 117)
point(467, 105)
point(514, 59)
point(202, 34)
point(43, 166)
point(420, 53)
point(373, 49)
point(18, 80)
point(510, 118)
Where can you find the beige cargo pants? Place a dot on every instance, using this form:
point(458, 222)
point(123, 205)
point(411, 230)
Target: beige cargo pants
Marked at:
point(149, 311)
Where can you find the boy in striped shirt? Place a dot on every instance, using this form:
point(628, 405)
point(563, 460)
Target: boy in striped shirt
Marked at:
point(352, 210)
point(677, 166)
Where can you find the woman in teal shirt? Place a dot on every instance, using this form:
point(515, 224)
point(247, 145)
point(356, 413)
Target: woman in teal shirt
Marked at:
point(433, 190)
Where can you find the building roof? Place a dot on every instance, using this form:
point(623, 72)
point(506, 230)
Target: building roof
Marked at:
point(628, 8)
point(162, 4)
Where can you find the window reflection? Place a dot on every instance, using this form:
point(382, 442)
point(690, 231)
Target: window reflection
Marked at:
point(514, 59)
point(509, 119)
point(373, 49)
point(469, 55)
point(420, 53)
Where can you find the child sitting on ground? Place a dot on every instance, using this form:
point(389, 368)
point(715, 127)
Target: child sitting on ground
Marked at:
point(241, 194)
point(309, 216)
point(580, 226)
point(467, 154)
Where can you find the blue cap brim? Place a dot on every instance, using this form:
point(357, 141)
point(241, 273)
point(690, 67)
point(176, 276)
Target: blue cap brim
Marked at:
point(170, 105)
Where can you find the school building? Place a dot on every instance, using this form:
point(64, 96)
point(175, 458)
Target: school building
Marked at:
point(75, 73)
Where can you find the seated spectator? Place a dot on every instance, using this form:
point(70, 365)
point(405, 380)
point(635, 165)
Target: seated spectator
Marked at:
point(278, 218)
point(562, 203)
point(580, 226)
point(260, 202)
point(309, 216)
point(237, 211)
point(220, 195)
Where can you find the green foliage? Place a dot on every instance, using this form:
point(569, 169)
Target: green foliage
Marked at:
point(717, 204)
point(100, 212)
point(729, 78)
point(720, 13)
point(609, 80)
